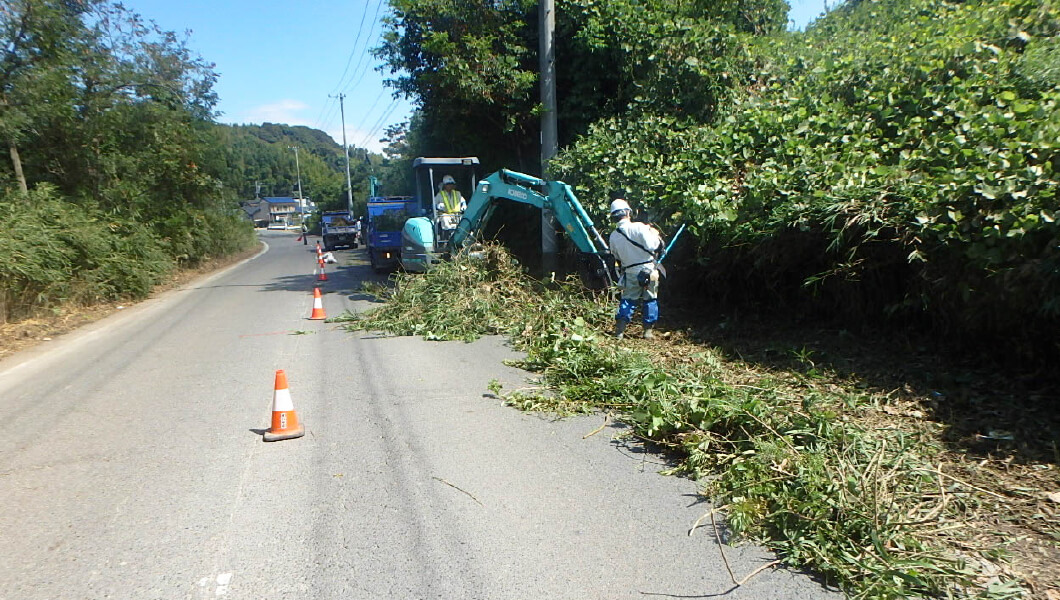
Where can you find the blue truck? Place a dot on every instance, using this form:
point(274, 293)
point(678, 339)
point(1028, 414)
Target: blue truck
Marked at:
point(382, 234)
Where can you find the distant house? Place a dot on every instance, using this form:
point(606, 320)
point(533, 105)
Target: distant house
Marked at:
point(257, 212)
point(277, 209)
point(282, 209)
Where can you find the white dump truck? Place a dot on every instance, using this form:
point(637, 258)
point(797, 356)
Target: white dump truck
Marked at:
point(338, 229)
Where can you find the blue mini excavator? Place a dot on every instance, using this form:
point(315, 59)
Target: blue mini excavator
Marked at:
point(564, 224)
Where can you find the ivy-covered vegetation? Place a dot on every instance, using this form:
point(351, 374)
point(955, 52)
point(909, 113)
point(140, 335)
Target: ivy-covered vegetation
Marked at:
point(896, 162)
point(898, 159)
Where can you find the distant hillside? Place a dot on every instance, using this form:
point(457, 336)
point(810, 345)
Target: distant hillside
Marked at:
point(261, 158)
point(311, 140)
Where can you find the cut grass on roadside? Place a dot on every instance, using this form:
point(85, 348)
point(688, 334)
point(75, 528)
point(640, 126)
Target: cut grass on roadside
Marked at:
point(814, 466)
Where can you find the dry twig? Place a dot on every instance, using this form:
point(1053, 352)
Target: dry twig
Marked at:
point(607, 418)
point(709, 513)
point(965, 483)
point(458, 489)
point(721, 548)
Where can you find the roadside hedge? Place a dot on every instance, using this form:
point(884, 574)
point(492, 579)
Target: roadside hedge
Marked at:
point(54, 252)
point(898, 160)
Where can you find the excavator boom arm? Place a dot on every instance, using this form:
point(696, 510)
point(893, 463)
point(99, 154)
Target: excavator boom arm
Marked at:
point(554, 196)
point(596, 264)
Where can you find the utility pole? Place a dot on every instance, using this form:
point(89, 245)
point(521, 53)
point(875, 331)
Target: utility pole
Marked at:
point(346, 149)
point(298, 172)
point(547, 58)
point(549, 136)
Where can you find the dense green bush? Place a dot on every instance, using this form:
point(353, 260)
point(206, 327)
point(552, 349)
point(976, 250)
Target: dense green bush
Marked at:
point(899, 158)
point(57, 253)
point(54, 252)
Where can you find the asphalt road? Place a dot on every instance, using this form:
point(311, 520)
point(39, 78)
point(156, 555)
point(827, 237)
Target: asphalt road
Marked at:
point(132, 465)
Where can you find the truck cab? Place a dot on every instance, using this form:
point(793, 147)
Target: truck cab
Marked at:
point(382, 234)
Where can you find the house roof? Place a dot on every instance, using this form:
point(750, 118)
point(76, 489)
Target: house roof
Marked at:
point(280, 199)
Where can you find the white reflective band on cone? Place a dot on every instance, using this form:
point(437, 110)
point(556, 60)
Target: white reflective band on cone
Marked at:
point(282, 401)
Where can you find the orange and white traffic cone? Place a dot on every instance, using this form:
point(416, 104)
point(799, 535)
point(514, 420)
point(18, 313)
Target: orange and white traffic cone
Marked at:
point(319, 251)
point(318, 307)
point(323, 276)
point(285, 423)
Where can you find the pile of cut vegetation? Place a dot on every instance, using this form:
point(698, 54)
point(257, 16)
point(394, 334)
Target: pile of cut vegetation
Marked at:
point(852, 483)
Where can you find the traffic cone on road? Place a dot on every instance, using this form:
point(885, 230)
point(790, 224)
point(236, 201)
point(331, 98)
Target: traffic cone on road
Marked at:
point(318, 307)
point(322, 276)
point(285, 423)
point(319, 251)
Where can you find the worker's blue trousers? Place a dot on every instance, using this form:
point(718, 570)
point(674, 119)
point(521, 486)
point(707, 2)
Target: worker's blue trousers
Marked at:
point(633, 294)
point(626, 308)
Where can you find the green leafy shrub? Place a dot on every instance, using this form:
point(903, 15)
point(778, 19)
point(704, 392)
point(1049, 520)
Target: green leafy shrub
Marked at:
point(897, 160)
point(56, 252)
point(59, 252)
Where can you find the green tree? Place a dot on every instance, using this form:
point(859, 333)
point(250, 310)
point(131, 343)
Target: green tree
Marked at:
point(42, 40)
point(468, 66)
point(471, 67)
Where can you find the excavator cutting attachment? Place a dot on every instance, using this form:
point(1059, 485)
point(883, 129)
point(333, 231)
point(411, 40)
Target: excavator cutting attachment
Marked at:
point(596, 271)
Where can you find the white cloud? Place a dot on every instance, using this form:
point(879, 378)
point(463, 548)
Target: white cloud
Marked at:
point(284, 111)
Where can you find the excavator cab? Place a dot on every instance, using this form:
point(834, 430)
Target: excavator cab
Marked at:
point(426, 237)
point(430, 173)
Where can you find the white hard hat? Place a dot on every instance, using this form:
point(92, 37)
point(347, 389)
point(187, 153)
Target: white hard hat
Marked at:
point(619, 205)
point(448, 179)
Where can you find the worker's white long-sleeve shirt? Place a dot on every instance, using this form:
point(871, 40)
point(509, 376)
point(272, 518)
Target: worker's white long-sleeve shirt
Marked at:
point(627, 253)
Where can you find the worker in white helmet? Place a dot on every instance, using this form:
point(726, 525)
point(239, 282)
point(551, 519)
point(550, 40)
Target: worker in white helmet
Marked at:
point(450, 207)
point(449, 200)
point(636, 246)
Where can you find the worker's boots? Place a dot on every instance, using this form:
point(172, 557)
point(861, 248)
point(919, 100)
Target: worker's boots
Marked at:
point(648, 335)
point(620, 328)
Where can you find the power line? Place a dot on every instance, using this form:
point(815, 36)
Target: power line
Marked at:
point(380, 121)
point(369, 111)
point(329, 117)
point(364, 53)
point(379, 124)
point(320, 117)
point(364, 14)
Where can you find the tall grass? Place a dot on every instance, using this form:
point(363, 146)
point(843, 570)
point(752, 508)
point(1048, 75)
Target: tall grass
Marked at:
point(55, 253)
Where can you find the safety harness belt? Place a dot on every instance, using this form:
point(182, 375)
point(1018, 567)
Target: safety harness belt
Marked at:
point(639, 245)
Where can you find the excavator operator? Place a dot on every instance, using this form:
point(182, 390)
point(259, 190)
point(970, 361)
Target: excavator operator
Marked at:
point(449, 200)
point(450, 205)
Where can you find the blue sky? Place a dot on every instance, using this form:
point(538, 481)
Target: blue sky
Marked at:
point(279, 60)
